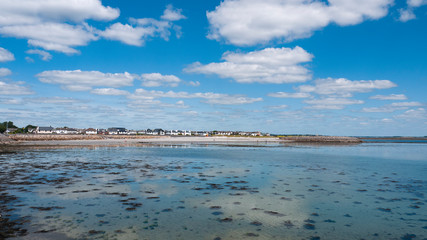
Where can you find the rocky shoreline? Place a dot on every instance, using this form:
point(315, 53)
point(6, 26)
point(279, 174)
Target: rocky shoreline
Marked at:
point(322, 139)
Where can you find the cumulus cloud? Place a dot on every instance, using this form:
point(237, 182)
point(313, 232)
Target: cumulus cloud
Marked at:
point(53, 25)
point(406, 104)
point(14, 88)
point(209, 97)
point(407, 13)
point(413, 114)
point(139, 30)
point(172, 14)
point(29, 12)
point(289, 95)
point(157, 80)
point(78, 80)
point(109, 91)
point(127, 34)
point(59, 37)
point(345, 87)
point(270, 65)
point(392, 107)
point(45, 56)
point(249, 22)
point(390, 97)
point(331, 103)
point(5, 72)
point(5, 55)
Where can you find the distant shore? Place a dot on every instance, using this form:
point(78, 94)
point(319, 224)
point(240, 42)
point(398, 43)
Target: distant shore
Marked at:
point(52, 141)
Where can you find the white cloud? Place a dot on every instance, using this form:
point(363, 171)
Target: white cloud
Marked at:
point(270, 65)
point(28, 59)
point(249, 22)
point(78, 80)
point(413, 114)
point(139, 30)
point(5, 55)
point(15, 88)
point(52, 100)
point(156, 27)
point(416, 3)
point(278, 107)
point(127, 34)
point(45, 56)
point(383, 109)
point(194, 83)
point(59, 37)
point(5, 72)
point(157, 80)
point(289, 95)
point(232, 100)
point(209, 97)
point(392, 107)
point(390, 97)
point(407, 14)
point(190, 113)
point(406, 104)
point(109, 91)
point(53, 25)
point(11, 101)
point(331, 103)
point(342, 86)
point(387, 120)
point(28, 11)
point(171, 14)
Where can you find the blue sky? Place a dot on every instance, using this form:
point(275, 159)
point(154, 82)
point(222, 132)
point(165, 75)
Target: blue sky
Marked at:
point(336, 67)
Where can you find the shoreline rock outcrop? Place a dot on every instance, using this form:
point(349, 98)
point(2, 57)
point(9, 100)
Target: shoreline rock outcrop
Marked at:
point(321, 139)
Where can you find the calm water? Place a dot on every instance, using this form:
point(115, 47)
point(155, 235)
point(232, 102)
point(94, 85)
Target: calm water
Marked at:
point(367, 191)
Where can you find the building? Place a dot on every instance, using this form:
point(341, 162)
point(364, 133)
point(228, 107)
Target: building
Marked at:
point(158, 131)
point(116, 130)
point(44, 130)
point(90, 131)
point(65, 130)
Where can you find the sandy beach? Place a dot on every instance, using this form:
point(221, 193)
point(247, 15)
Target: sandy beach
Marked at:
point(134, 141)
point(92, 141)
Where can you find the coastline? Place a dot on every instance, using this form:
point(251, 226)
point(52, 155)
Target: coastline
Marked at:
point(91, 141)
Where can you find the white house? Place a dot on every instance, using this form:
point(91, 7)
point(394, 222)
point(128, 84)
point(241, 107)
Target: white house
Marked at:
point(91, 131)
point(65, 131)
point(44, 130)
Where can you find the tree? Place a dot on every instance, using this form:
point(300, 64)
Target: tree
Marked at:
point(6, 125)
point(29, 127)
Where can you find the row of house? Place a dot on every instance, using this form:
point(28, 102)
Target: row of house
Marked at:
point(157, 131)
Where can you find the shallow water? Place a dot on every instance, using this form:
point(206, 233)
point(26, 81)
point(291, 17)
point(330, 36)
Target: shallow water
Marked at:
point(366, 191)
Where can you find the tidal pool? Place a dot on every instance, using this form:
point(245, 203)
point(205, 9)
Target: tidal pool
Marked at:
point(366, 191)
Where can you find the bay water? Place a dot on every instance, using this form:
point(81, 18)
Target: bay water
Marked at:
point(270, 191)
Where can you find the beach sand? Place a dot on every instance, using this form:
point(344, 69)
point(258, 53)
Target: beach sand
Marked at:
point(161, 140)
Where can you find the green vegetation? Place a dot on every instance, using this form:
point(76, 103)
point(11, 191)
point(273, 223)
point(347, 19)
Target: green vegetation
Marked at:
point(5, 125)
point(9, 125)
